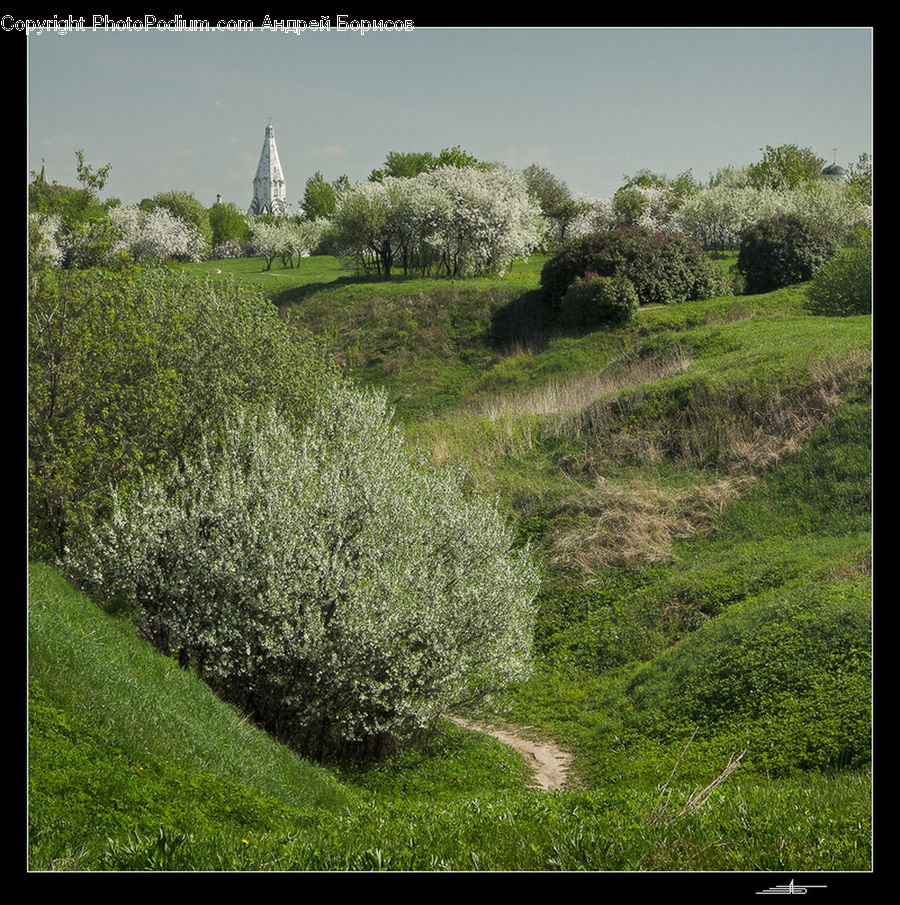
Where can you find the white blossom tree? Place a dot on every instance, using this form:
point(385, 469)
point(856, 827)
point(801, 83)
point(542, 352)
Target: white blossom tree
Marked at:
point(594, 215)
point(326, 581)
point(461, 220)
point(44, 247)
point(493, 219)
point(155, 235)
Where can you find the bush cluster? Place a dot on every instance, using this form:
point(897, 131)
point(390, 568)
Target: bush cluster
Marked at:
point(662, 268)
point(592, 301)
point(781, 250)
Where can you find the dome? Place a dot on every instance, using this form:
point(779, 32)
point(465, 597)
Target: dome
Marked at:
point(835, 172)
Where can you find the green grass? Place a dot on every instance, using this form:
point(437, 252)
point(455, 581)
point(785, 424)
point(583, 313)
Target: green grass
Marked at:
point(725, 443)
point(114, 786)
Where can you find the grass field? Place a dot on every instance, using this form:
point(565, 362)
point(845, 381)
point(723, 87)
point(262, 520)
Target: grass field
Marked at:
point(698, 487)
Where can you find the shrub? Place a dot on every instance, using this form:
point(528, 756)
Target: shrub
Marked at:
point(781, 250)
point(593, 300)
point(663, 268)
point(126, 369)
point(843, 285)
point(322, 579)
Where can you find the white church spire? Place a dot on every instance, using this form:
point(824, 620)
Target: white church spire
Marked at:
point(269, 194)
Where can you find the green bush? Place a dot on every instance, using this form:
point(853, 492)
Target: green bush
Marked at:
point(663, 268)
point(125, 371)
point(843, 285)
point(781, 250)
point(594, 300)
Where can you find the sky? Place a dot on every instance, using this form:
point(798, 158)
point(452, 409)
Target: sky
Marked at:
point(187, 110)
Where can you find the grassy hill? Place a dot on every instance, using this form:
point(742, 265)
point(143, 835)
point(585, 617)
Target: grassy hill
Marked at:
point(698, 485)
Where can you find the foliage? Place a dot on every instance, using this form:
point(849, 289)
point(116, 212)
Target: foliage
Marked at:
point(228, 224)
point(843, 285)
point(861, 179)
point(155, 234)
point(663, 268)
point(557, 205)
point(283, 237)
point(92, 181)
point(679, 188)
point(125, 370)
point(460, 221)
point(779, 251)
point(43, 248)
point(184, 206)
point(69, 227)
point(320, 196)
point(716, 217)
point(786, 166)
point(409, 164)
point(831, 207)
point(590, 215)
point(593, 300)
point(652, 200)
point(324, 582)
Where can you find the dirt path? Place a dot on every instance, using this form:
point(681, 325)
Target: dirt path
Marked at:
point(548, 763)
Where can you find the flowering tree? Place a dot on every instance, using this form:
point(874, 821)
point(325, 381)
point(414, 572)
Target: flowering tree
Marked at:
point(324, 580)
point(283, 237)
point(717, 217)
point(832, 206)
point(43, 248)
point(593, 215)
point(365, 224)
point(155, 235)
point(493, 219)
point(460, 220)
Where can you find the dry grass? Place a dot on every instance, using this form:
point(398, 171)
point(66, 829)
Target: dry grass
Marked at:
point(699, 798)
point(639, 522)
point(567, 397)
point(757, 441)
point(636, 524)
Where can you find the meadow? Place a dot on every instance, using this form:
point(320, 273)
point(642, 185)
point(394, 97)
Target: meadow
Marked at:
point(697, 486)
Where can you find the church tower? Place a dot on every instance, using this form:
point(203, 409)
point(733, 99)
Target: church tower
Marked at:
point(269, 194)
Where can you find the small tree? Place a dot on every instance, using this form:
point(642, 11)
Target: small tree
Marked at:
point(664, 269)
point(786, 167)
point(228, 224)
point(155, 235)
point(320, 196)
point(184, 206)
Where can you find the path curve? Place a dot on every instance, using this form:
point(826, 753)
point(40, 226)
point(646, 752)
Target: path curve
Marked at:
point(549, 763)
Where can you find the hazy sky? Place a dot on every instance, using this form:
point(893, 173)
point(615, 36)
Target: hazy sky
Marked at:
point(186, 110)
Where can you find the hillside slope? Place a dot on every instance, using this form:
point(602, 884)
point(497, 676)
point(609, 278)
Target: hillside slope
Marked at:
point(698, 485)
